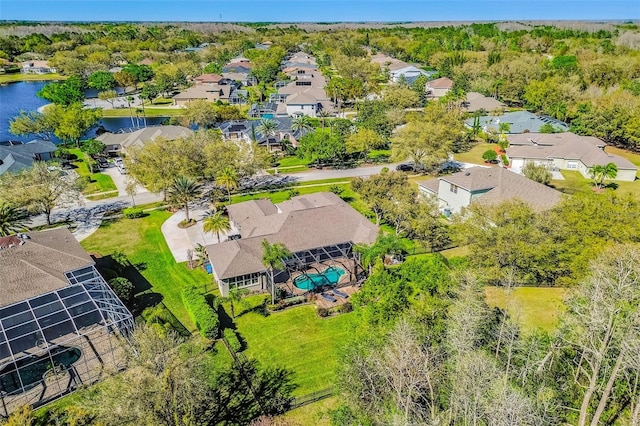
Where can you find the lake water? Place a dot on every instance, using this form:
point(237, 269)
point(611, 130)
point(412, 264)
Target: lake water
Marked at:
point(21, 96)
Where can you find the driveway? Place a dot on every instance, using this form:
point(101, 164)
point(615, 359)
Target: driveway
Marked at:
point(121, 181)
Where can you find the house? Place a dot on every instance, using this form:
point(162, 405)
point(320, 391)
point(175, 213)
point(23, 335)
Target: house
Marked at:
point(56, 310)
point(407, 73)
point(518, 122)
point(565, 151)
point(475, 101)
point(207, 92)
point(303, 104)
point(263, 110)
point(247, 130)
point(487, 185)
point(122, 142)
point(316, 228)
point(146, 61)
point(37, 67)
point(438, 88)
point(208, 79)
point(16, 156)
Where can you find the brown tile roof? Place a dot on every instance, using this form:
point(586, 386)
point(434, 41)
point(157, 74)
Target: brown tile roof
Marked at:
point(477, 101)
point(440, 83)
point(208, 78)
point(38, 265)
point(302, 223)
point(504, 185)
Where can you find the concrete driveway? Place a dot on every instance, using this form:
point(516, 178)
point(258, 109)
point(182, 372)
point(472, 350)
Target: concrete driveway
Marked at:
point(121, 181)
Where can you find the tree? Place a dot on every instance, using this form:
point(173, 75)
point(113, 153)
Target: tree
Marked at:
point(39, 189)
point(320, 146)
point(216, 222)
point(123, 288)
point(12, 219)
point(108, 96)
point(537, 172)
point(363, 141)
point(140, 73)
point(93, 147)
point(273, 257)
point(600, 172)
point(398, 96)
point(229, 179)
point(547, 128)
point(27, 123)
point(601, 325)
point(201, 113)
point(235, 297)
point(129, 100)
point(102, 81)
point(380, 191)
point(73, 121)
point(301, 124)
point(267, 128)
point(66, 93)
point(183, 191)
point(490, 155)
point(124, 79)
point(132, 189)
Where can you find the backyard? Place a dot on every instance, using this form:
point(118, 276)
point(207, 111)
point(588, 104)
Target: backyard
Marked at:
point(574, 182)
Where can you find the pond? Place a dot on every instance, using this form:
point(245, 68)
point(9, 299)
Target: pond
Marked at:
point(21, 96)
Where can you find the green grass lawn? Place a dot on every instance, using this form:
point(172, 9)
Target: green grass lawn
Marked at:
point(150, 111)
point(313, 414)
point(142, 241)
point(298, 340)
point(8, 78)
point(292, 161)
point(574, 182)
point(533, 307)
point(475, 154)
point(100, 182)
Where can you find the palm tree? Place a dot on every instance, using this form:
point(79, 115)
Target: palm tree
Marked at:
point(235, 296)
point(129, 100)
point(267, 128)
point(183, 191)
point(12, 219)
point(216, 222)
point(229, 179)
point(301, 124)
point(601, 172)
point(273, 256)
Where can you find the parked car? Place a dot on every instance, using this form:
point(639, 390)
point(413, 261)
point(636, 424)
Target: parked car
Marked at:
point(103, 163)
point(496, 161)
point(409, 167)
point(449, 167)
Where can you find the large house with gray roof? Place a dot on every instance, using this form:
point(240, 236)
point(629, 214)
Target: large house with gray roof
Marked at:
point(488, 185)
point(121, 142)
point(565, 151)
point(316, 228)
point(61, 326)
point(16, 156)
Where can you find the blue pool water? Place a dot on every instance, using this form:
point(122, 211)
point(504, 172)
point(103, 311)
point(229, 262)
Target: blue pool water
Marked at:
point(310, 281)
point(32, 373)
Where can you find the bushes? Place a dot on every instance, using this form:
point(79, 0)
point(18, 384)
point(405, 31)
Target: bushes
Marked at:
point(203, 315)
point(132, 213)
point(323, 312)
point(489, 155)
point(123, 288)
point(505, 160)
point(232, 339)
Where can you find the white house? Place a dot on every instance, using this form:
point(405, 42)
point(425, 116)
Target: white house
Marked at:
point(302, 103)
point(487, 185)
point(565, 151)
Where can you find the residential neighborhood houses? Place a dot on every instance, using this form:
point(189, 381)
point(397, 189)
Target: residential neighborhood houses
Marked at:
point(17, 156)
point(120, 143)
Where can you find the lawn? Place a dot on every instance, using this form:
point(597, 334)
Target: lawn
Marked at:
point(574, 182)
point(142, 241)
point(475, 154)
point(533, 307)
point(8, 78)
point(150, 111)
point(298, 340)
point(100, 182)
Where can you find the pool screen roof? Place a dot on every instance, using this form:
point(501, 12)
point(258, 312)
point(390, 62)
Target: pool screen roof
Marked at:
point(43, 321)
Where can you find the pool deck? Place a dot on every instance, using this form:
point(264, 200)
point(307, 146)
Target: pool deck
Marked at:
point(326, 304)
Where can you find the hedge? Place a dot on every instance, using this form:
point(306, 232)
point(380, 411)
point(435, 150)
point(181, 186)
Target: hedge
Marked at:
point(232, 339)
point(132, 213)
point(203, 315)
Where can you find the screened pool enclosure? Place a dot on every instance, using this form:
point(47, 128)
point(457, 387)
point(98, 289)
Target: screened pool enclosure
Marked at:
point(52, 343)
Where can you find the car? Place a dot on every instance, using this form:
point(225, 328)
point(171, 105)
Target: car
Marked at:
point(103, 163)
point(450, 166)
point(117, 161)
point(405, 167)
point(492, 161)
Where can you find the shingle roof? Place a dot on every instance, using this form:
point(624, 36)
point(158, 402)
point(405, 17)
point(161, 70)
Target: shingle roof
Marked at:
point(208, 78)
point(140, 137)
point(302, 223)
point(567, 145)
point(301, 99)
point(14, 158)
point(519, 121)
point(503, 185)
point(440, 83)
point(38, 265)
point(477, 101)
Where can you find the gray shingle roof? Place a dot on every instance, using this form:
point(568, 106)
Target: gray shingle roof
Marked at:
point(302, 223)
point(38, 265)
point(477, 101)
point(140, 137)
point(14, 158)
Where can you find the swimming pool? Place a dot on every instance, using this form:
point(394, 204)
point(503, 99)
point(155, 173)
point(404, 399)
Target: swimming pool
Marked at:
point(329, 276)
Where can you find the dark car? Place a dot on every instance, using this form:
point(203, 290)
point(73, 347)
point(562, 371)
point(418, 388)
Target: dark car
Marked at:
point(450, 167)
point(406, 167)
point(492, 161)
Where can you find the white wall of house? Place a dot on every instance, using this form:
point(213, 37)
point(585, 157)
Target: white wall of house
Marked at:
point(309, 110)
point(626, 175)
point(453, 197)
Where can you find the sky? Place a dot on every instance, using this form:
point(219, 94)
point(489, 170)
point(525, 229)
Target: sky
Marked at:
point(317, 10)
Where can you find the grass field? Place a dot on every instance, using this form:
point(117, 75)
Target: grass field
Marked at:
point(150, 111)
point(574, 182)
point(313, 414)
point(297, 339)
point(142, 241)
point(100, 182)
point(475, 154)
point(9, 78)
point(533, 307)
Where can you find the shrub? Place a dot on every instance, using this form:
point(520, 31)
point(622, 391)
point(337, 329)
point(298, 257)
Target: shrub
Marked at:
point(132, 213)
point(346, 308)
point(123, 288)
point(323, 312)
point(232, 339)
point(505, 160)
point(203, 315)
point(489, 155)
point(384, 170)
point(538, 173)
point(336, 189)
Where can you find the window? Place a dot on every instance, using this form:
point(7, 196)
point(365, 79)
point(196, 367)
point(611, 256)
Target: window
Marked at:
point(572, 164)
point(453, 188)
